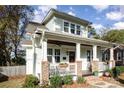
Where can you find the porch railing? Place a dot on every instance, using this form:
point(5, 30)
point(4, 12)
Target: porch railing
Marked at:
point(55, 69)
point(102, 66)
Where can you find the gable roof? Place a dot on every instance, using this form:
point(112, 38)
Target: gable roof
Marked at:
point(65, 16)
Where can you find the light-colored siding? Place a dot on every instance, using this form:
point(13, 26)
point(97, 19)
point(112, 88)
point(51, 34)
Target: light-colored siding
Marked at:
point(85, 63)
point(56, 24)
point(29, 61)
point(50, 25)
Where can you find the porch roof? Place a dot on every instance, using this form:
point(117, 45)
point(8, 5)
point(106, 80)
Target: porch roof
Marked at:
point(62, 36)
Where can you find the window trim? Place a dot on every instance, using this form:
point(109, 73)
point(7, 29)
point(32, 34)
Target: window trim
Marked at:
point(50, 55)
point(119, 54)
point(57, 55)
point(66, 27)
point(81, 30)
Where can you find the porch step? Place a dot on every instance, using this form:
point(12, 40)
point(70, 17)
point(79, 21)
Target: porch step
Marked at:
point(86, 73)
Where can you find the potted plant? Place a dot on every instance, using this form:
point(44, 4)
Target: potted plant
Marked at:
point(63, 65)
point(107, 73)
point(95, 73)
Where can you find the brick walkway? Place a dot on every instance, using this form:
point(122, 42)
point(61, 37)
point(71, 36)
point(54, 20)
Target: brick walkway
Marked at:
point(97, 82)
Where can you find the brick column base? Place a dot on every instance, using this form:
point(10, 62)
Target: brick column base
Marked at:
point(111, 64)
point(45, 72)
point(79, 68)
point(94, 66)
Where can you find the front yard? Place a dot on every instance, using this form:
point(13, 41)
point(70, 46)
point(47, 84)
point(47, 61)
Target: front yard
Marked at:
point(15, 82)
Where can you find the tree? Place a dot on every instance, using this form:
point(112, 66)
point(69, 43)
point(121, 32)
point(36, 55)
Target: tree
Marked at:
point(92, 33)
point(116, 36)
point(13, 20)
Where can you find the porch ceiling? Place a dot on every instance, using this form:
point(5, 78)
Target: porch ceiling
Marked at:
point(70, 38)
point(60, 42)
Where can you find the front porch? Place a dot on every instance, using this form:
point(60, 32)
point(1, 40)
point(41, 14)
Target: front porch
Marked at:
point(63, 58)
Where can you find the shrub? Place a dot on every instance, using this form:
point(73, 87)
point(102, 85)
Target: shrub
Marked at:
point(120, 69)
point(117, 71)
point(56, 81)
point(19, 61)
point(68, 80)
point(31, 81)
point(81, 80)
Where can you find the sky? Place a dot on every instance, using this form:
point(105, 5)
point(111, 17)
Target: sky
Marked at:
point(101, 16)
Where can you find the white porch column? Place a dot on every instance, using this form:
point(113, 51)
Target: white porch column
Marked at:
point(78, 60)
point(78, 52)
point(44, 64)
point(44, 48)
point(111, 62)
point(95, 53)
point(111, 54)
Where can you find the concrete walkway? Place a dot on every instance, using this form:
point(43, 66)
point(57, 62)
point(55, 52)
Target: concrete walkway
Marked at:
point(96, 82)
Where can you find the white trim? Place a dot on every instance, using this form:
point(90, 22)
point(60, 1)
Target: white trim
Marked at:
point(78, 52)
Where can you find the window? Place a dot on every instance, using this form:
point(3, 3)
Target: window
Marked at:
point(66, 26)
point(49, 54)
point(73, 28)
point(118, 55)
point(88, 55)
point(57, 55)
point(78, 30)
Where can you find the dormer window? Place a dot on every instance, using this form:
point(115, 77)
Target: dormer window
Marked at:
point(73, 28)
point(66, 26)
point(78, 30)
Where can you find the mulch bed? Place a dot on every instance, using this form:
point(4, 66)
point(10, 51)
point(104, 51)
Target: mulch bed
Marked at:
point(75, 85)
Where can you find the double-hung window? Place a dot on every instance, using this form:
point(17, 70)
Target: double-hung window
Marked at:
point(49, 54)
point(73, 28)
point(57, 55)
point(66, 27)
point(119, 55)
point(78, 30)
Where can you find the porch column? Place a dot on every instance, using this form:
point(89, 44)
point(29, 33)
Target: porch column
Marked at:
point(95, 53)
point(78, 60)
point(112, 61)
point(95, 59)
point(45, 64)
point(78, 51)
point(44, 47)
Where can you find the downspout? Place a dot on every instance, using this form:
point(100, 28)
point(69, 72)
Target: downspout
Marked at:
point(34, 55)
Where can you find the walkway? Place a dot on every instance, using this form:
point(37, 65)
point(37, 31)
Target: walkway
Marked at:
point(96, 82)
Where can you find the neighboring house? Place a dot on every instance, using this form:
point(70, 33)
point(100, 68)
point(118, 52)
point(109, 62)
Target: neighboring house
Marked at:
point(60, 44)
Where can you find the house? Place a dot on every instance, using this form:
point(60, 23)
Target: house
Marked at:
point(60, 44)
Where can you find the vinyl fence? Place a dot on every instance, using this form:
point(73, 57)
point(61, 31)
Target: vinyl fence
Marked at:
point(13, 70)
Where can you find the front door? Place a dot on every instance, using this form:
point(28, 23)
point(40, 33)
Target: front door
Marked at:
point(89, 60)
point(71, 56)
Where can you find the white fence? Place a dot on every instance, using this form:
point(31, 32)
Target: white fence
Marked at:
point(13, 70)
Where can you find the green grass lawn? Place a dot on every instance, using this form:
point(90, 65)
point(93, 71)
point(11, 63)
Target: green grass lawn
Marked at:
point(13, 83)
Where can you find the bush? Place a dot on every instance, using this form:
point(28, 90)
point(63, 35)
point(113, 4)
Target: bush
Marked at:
point(19, 61)
point(31, 81)
point(81, 80)
point(56, 81)
point(68, 80)
point(117, 71)
point(120, 69)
